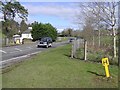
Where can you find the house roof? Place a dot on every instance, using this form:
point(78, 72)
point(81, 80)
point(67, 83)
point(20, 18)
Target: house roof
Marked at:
point(27, 31)
point(16, 35)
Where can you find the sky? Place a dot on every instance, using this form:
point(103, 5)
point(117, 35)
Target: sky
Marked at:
point(60, 14)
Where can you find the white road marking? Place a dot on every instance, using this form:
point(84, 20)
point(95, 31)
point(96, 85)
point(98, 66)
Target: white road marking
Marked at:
point(29, 47)
point(14, 52)
point(18, 49)
point(3, 51)
point(17, 58)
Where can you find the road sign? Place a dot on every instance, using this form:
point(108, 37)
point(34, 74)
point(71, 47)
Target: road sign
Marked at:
point(105, 63)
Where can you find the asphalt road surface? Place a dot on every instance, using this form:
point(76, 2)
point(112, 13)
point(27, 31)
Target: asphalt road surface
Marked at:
point(20, 50)
point(13, 54)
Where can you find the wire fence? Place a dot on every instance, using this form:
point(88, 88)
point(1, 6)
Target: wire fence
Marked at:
point(83, 50)
point(76, 45)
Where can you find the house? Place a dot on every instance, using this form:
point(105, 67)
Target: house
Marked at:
point(17, 39)
point(27, 34)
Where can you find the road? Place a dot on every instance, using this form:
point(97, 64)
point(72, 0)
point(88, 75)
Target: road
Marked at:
point(21, 51)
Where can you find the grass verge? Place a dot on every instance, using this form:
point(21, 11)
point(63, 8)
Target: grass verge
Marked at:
point(61, 39)
point(55, 69)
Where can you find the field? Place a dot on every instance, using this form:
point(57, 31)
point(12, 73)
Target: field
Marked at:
point(60, 39)
point(55, 69)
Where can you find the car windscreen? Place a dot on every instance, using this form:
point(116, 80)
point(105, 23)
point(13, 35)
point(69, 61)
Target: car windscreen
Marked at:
point(71, 38)
point(46, 39)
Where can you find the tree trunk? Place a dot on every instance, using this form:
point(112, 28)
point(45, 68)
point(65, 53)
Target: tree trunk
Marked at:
point(85, 50)
point(119, 46)
point(5, 15)
point(114, 42)
point(6, 28)
point(75, 48)
point(99, 37)
point(93, 39)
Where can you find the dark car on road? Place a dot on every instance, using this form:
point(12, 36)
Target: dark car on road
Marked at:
point(45, 42)
point(71, 39)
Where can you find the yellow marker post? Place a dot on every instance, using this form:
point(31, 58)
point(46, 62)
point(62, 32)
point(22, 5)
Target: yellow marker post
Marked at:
point(105, 63)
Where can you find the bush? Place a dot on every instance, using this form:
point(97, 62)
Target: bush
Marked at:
point(43, 30)
point(80, 54)
point(95, 56)
point(113, 61)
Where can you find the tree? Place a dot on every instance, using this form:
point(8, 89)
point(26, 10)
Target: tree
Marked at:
point(13, 27)
point(23, 26)
point(43, 30)
point(119, 33)
point(70, 31)
point(67, 32)
point(63, 33)
point(88, 21)
point(88, 30)
point(10, 10)
point(109, 16)
point(105, 12)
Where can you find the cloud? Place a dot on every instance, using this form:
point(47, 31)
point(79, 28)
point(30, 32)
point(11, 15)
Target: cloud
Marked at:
point(60, 15)
point(67, 0)
point(57, 10)
point(50, 0)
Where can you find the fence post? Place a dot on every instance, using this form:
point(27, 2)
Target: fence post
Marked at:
point(72, 49)
point(77, 43)
point(85, 50)
point(75, 48)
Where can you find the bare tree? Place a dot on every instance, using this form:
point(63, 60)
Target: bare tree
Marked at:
point(97, 19)
point(119, 32)
point(104, 12)
point(108, 14)
point(88, 30)
point(87, 12)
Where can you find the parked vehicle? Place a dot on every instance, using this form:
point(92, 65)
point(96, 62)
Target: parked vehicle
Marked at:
point(71, 39)
point(45, 42)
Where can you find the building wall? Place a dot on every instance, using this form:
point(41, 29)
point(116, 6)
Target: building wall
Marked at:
point(27, 36)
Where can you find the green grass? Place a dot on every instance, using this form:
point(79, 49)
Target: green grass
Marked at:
point(28, 41)
point(62, 39)
point(95, 56)
point(54, 68)
point(105, 41)
point(1, 34)
point(0, 81)
point(94, 53)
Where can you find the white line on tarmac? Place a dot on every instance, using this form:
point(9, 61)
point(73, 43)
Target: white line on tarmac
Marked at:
point(3, 51)
point(18, 49)
point(8, 60)
point(29, 47)
point(14, 52)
